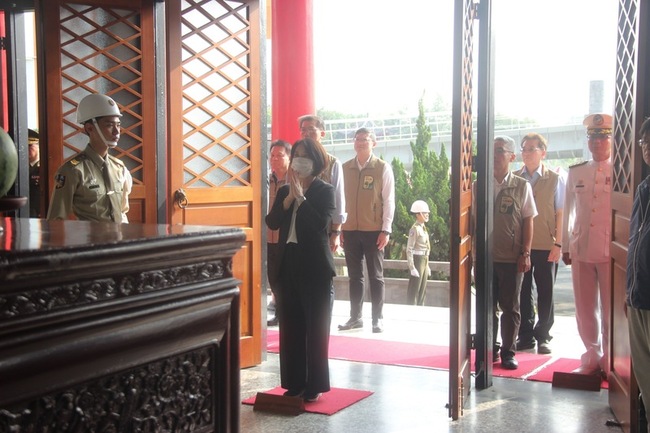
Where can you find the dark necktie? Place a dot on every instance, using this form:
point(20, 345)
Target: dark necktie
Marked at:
point(110, 189)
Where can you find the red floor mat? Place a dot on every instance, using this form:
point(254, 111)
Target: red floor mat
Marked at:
point(329, 403)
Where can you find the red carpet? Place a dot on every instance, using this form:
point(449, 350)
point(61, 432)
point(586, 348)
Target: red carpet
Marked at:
point(531, 365)
point(564, 365)
point(329, 403)
point(409, 354)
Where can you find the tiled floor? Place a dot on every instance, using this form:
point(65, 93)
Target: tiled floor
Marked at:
point(413, 399)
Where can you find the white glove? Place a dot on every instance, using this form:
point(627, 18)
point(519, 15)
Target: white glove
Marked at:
point(415, 273)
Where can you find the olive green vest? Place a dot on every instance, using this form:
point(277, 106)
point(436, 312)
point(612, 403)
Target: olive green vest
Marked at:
point(508, 219)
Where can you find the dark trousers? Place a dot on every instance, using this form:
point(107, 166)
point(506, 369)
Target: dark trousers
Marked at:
point(506, 287)
point(305, 317)
point(416, 293)
point(544, 273)
point(358, 246)
point(273, 261)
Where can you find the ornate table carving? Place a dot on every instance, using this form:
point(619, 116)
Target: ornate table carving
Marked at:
point(118, 328)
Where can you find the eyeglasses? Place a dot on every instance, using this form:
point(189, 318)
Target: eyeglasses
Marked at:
point(643, 142)
point(529, 149)
point(501, 151)
point(308, 130)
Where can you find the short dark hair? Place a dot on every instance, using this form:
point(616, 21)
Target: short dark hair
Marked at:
point(316, 152)
point(365, 130)
point(281, 143)
point(535, 136)
point(320, 124)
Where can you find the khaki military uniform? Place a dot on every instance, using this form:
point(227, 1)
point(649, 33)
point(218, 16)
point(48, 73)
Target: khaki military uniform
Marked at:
point(417, 257)
point(84, 189)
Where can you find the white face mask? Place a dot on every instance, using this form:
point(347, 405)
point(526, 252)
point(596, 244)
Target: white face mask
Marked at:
point(302, 166)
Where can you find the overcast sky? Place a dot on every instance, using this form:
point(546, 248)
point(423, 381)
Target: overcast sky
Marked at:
point(373, 57)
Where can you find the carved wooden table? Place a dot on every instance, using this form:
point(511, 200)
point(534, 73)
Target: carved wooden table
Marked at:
point(118, 328)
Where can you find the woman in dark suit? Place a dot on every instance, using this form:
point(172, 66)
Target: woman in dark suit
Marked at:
point(302, 211)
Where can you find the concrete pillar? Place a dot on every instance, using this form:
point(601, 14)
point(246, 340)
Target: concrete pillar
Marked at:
point(597, 97)
point(292, 66)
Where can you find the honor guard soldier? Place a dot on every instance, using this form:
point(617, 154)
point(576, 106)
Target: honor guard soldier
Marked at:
point(417, 254)
point(34, 174)
point(94, 186)
point(587, 222)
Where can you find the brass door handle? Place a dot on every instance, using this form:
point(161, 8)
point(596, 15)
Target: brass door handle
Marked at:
point(180, 198)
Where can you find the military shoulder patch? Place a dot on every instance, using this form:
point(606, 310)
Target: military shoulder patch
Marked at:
point(59, 181)
point(578, 164)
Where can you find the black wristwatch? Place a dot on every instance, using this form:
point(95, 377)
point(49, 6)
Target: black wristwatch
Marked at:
point(386, 232)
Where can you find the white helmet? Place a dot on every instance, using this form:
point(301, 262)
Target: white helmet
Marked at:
point(419, 206)
point(96, 105)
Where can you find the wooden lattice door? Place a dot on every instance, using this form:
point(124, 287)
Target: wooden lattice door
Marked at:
point(103, 47)
point(632, 105)
point(215, 125)
point(461, 193)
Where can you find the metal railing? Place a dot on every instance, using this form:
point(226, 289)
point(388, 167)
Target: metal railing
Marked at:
point(404, 127)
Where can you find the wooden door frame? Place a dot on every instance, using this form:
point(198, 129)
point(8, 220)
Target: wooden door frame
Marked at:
point(632, 105)
point(483, 272)
point(461, 199)
point(231, 199)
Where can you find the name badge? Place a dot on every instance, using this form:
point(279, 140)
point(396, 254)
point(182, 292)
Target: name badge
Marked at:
point(507, 205)
point(368, 182)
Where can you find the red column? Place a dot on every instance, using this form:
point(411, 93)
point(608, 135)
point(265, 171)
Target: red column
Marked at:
point(292, 67)
point(4, 84)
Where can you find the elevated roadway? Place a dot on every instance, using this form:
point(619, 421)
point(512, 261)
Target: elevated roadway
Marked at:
point(394, 136)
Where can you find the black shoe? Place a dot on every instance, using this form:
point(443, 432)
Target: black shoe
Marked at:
point(495, 356)
point(273, 321)
point(377, 326)
point(525, 345)
point(293, 393)
point(351, 324)
point(312, 397)
point(544, 348)
point(509, 363)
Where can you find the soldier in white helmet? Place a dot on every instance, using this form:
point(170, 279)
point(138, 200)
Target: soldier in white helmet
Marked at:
point(417, 254)
point(94, 186)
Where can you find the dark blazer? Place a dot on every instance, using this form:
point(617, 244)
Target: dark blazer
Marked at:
point(313, 220)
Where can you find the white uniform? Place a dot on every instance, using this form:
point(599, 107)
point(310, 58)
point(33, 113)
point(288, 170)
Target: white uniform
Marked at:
point(587, 227)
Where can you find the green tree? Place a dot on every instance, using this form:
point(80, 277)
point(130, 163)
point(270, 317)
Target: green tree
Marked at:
point(428, 180)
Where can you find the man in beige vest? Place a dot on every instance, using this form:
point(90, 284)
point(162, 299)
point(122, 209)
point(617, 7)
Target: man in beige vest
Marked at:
point(370, 199)
point(514, 210)
point(548, 190)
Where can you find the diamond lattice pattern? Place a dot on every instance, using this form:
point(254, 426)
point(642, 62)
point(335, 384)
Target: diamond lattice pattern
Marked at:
point(216, 94)
point(101, 53)
point(625, 97)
